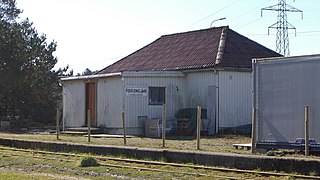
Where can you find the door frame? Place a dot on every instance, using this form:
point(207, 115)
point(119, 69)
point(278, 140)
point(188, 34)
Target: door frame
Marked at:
point(93, 114)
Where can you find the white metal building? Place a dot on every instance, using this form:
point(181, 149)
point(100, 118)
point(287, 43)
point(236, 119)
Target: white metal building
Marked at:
point(210, 68)
point(282, 89)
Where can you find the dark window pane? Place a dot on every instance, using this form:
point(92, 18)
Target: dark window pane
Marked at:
point(156, 95)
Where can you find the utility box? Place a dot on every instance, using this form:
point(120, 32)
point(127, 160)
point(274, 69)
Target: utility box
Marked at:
point(282, 87)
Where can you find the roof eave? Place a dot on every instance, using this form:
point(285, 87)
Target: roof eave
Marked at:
point(96, 76)
point(152, 74)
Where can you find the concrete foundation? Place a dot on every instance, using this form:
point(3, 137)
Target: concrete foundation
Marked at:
point(230, 160)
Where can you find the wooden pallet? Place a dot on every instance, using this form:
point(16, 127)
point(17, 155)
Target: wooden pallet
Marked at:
point(242, 146)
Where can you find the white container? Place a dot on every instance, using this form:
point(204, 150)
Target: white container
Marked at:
point(152, 128)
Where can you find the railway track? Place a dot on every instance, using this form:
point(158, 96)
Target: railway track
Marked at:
point(157, 166)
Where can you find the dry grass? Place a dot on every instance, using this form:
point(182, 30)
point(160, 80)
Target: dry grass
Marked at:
point(207, 144)
point(216, 144)
point(211, 144)
point(31, 165)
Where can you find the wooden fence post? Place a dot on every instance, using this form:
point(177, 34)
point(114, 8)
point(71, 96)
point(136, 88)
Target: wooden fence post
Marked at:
point(164, 125)
point(57, 123)
point(124, 128)
point(306, 136)
point(198, 126)
point(89, 124)
point(254, 131)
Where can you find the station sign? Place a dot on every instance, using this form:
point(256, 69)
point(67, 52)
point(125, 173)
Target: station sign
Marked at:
point(136, 91)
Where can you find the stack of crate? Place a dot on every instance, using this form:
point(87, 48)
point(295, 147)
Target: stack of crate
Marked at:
point(182, 123)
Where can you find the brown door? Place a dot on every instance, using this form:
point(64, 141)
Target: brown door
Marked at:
point(91, 102)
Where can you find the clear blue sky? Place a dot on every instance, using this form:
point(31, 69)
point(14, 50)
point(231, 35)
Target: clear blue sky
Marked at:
point(95, 33)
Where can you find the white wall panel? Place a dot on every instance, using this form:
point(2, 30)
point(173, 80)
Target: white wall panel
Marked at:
point(109, 102)
point(197, 87)
point(283, 87)
point(235, 98)
point(233, 91)
point(74, 103)
point(139, 106)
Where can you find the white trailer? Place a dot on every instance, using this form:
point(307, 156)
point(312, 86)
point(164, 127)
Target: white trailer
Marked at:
point(282, 87)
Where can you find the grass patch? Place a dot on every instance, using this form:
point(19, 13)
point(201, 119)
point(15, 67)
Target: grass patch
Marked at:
point(32, 165)
point(18, 175)
point(217, 144)
point(221, 143)
point(162, 159)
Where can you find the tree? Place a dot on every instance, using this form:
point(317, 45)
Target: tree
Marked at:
point(8, 10)
point(86, 72)
point(29, 87)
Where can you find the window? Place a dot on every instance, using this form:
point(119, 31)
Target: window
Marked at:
point(157, 95)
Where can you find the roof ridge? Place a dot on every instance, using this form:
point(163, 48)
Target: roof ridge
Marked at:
point(193, 31)
point(222, 43)
point(205, 48)
point(162, 36)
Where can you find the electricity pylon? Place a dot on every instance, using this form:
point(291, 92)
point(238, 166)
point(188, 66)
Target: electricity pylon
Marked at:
point(282, 25)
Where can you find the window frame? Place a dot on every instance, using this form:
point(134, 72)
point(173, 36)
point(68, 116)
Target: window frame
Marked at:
point(160, 91)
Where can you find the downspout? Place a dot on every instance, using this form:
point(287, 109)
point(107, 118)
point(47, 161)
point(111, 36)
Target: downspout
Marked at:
point(219, 57)
point(63, 106)
point(218, 104)
point(123, 94)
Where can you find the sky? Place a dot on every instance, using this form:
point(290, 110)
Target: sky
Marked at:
point(96, 33)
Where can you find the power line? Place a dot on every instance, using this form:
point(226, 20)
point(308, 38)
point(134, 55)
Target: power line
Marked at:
point(251, 10)
point(299, 32)
point(234, 2)
point(304, 32)
point(248, 23)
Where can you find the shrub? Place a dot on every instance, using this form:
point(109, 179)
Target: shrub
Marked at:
point(88, 161)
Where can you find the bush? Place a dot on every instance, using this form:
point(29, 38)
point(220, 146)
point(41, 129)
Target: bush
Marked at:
point(88, 161)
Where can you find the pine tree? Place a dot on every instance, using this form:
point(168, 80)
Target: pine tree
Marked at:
point(29, 88)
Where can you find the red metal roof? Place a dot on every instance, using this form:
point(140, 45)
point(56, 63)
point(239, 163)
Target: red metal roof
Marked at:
point(193, 50)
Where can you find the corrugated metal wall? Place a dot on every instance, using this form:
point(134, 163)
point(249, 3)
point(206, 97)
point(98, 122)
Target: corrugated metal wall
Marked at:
point(73, 103)
point(139, 106)
point(233, 92)
point(202, 90)
point(283, 87)
point(197, 87)
point(235, 98)
point(109, 102)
